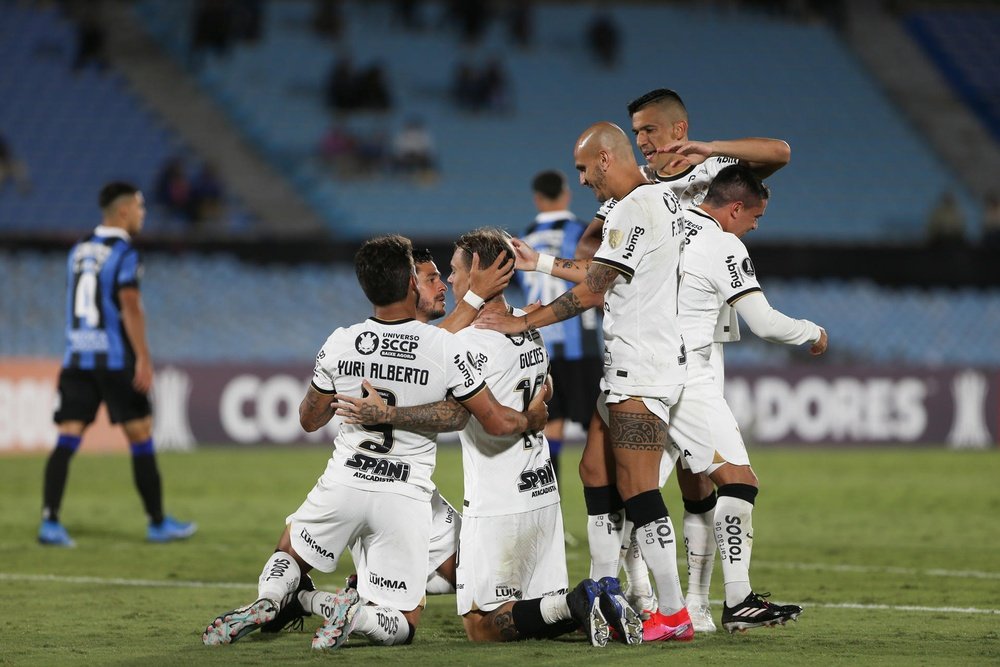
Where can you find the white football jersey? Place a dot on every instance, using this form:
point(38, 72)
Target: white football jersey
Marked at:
point(409, 363)
point(507, 474)
point(643, 239)
point(690, 185)
point(717, 272)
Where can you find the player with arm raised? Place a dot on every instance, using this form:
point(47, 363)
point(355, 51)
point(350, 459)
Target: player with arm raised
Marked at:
point(638, 264)
point(377, 485)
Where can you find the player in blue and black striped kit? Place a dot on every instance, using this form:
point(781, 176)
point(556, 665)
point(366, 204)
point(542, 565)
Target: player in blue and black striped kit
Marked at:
point(574, 346)
point(107, 360)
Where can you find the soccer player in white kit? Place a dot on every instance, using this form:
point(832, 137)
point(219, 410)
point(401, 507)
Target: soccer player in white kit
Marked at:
point(377, 485)
point(638, 264)
point(660, 125)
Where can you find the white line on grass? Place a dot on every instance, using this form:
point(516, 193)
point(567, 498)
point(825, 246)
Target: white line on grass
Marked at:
point(163, 583)
point(877, 569)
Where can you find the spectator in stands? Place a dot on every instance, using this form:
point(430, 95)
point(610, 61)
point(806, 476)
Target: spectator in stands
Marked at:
point(211, 27)
point(496, 87)
point(991, 222)
point(208, 196)
point(603, 39)
point(413, 150)
point(327, 19)
point(13, 169)
point(470, 16)
point(520, 26)
point(482, 89)
point(89, 39)
point(341, 88)
point(338, 149)
point(373, 88)
point(173, 190)
point(946, 224)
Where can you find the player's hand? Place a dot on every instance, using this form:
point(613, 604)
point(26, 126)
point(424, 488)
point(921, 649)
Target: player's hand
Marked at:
point(370, 409)
point(688, 152)
point(819, 347)
point(525, 257)
point(548, 389)
point(492, 280)
point(531, 307)
point(505, 323)
point(537, 412)
point(143, 378)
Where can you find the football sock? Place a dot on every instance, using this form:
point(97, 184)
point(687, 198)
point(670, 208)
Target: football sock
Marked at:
point(636, 572)
point(542, 618)
point(699, 541)
point(555, 446)
point(147, 479)
point(438, 585)
point(657, 542)
point(734, 536)
point(279, 579)
point(605, 521)
point(56, 472)
point(384, 626)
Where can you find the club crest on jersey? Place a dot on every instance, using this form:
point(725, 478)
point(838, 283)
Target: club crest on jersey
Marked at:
point(615, 237)
point(366, 343)
point(747, 267)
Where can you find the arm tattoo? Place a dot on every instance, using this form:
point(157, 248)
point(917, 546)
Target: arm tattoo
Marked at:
point(567, 305)
point(504, 623)
point(315, 410)
point(600, 277)
point(441, 416)
point(637, 431)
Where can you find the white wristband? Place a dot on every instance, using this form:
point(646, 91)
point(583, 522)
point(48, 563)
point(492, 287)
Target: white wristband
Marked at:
point(473, 299)
point(545, 263)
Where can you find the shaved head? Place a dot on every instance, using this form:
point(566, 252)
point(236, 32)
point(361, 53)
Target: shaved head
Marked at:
point(605, 161)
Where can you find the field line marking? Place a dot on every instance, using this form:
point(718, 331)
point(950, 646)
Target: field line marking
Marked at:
point(164, 583)
point(115, 581)
point(877, 569)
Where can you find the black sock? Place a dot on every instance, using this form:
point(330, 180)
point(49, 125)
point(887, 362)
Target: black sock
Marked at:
point(147, 480)
point(56, 473)
point(528, 621)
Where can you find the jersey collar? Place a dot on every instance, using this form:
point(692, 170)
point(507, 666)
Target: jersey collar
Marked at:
point(391, 322)
point(667, 179)
point(106, 230)
point(701, 212)
point(553, 216)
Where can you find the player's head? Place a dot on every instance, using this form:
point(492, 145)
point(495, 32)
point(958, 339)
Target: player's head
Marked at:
point(604, 159)
point(430, 288)
point(122, 205)
point(737, 198)
point(490, 243)
point(658, 118)
point(551, 191)
point(384, 266)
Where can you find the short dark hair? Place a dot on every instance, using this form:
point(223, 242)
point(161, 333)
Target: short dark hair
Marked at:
point(736, 183)
point(384, 266)
point(663, 96)
point(422, 256)
point(550, 184)
point(112, 191)
point(489, 242)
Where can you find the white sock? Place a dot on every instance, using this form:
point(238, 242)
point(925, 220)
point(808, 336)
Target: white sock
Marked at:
point(279, 579)
point(381, 625)
point(699, 541)
point(317, 602)
point(554, 608)
point(734, 536)
point(604, 535)
point(636, 572)
point(438, 585)
point(658, 544)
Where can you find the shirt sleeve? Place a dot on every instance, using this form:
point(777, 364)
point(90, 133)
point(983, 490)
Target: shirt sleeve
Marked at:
point(627, 235)
point(465, 380)
point(129, 269)
point(772, 325)
point(732, 271)
point(322, 380)
point(602, 212)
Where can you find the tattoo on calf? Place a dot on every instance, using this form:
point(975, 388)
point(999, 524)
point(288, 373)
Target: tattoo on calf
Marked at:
point(637, 431)
point(504, 623)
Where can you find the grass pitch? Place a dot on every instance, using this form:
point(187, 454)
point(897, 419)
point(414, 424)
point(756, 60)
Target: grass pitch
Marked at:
point(895, 555)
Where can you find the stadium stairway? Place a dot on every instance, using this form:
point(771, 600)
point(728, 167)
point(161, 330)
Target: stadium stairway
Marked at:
point(165, 87)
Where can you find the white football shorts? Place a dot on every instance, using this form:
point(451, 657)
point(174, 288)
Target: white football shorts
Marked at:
point(511, 557)
point(703, 431)
point(446, 523)
point(392, 532)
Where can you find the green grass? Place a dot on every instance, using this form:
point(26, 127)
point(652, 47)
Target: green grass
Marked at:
point(897, 528)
